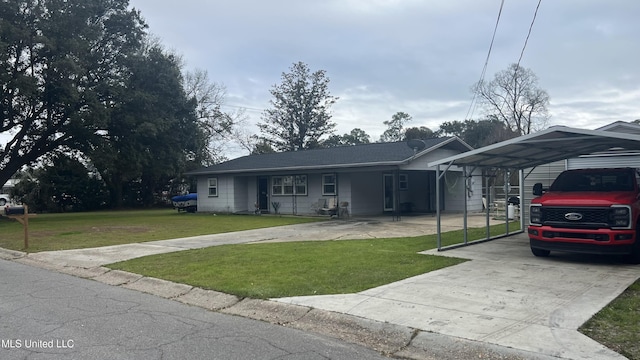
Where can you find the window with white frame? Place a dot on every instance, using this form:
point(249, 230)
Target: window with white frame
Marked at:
point(329, 184)
point(289, 185)
point(301, 184)
point(213, 186)
point(403, 182)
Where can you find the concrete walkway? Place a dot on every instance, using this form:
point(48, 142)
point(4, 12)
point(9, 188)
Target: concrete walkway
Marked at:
point(376, 227)
point(504, 297)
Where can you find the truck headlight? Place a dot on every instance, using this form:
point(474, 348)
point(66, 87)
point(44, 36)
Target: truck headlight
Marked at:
point(535, 214)
point(620, 216)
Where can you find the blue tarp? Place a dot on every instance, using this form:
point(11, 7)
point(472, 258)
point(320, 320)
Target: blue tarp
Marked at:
point(179, 198)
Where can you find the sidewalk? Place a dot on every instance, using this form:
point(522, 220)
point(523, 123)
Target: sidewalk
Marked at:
point(504, 304)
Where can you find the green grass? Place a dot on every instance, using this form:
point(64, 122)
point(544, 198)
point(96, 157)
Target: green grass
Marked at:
point(300, 268)
point(94, 229)
point(617, 326)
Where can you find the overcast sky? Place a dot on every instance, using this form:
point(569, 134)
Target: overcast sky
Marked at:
point(415, 56)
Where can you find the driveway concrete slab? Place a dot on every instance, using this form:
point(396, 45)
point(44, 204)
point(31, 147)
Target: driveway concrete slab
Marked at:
point(88, 258)
point(376, 227)
point(503, 296)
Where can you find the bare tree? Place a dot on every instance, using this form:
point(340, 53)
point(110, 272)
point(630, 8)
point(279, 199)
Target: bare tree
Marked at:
point(513, 97)
point(219, 126)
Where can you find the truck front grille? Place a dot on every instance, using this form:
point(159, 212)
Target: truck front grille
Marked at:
point(592, 217)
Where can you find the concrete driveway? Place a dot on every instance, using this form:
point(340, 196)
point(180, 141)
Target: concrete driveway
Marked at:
point(375, 227)
point(504, 296)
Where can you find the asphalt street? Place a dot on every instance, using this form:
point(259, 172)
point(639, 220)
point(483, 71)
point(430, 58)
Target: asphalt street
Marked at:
point(48, 315)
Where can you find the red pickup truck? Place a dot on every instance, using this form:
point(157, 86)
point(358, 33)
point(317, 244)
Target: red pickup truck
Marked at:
point(594, 211)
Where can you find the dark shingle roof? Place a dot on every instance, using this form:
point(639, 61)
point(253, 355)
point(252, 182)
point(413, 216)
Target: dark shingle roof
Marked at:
point(343, 156)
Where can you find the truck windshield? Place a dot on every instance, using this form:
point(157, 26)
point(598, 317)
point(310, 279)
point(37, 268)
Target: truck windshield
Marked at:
point(593, 181)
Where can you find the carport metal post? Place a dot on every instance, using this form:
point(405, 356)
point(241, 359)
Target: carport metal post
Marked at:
point(438, 206)
point(521, 205)
point(506, 200)
point(466, 192)
point(438, 228)
point(488, 204)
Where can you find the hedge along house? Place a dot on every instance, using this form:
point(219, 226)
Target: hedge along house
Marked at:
point(368, 179)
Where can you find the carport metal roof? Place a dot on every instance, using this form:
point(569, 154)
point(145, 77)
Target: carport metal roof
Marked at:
point(528, 151)
point(553, 144)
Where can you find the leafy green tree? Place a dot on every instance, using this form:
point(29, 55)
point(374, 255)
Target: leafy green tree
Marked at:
point(421, 132)
point(64, 185)
point(59, 60)
point(513, 97)
point(152, 133)
point(477, 133)
point(262, 147)
point(300, 110)
point(357, 136)
point(395, 127)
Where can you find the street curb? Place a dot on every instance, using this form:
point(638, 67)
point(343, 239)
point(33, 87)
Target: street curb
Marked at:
point(382, 337)
point(117, 277)
point(391, 340)
point(268, 311)
point(158, 287)
point(7, 254)
point(208, 299)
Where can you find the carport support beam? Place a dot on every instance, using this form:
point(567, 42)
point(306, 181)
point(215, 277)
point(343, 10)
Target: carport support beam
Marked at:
point(521, 205)
point(506, 200)
point(466, 191)
point(438, 190)
point(488, 202)
point(438, 207)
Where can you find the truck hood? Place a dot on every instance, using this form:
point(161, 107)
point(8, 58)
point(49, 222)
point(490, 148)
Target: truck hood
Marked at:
point(586, 198)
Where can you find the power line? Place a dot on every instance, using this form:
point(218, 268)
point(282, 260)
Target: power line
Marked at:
point(242, 107)
point(535, 14)
point(486, 62)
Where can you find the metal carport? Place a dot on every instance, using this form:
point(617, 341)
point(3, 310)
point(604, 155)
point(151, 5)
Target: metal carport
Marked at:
point(528, 151)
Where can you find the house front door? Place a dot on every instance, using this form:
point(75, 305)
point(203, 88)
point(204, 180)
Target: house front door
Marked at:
point(388, 183)
point(263, 194)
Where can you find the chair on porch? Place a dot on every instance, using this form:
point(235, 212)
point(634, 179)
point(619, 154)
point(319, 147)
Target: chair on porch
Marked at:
point(343, 209)
point(317, 207)
point(330, 208)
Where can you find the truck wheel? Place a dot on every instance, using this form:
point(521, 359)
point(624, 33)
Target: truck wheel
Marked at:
point(540, 252)
point(3, 202)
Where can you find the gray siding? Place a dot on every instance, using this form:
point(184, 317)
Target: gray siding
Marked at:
point(367, 195)
point(454, 192)
point(251, 191)
point(241, 196)
point(421, 162)
point(307, 204)
point(544, 174)
point(224, 202)
point(605, 161)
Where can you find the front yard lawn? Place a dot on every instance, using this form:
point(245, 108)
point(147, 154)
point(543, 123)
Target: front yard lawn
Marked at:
point(94, 229)
point(293, 268)
point(300, 268)
point(617, 326)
